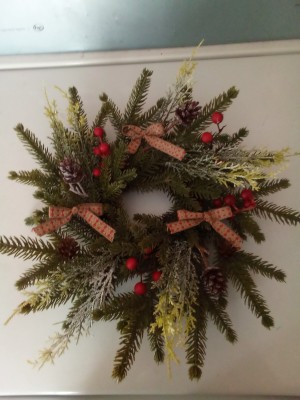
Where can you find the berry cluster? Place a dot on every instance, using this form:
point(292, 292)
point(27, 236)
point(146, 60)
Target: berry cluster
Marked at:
point(132, 264)
point(217, 118)
point(101, 150)
point(245, 201)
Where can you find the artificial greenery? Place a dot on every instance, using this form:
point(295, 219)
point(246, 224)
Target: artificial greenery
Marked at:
point(177, 304)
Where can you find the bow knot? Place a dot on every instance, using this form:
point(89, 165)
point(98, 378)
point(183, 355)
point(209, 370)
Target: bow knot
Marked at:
point(190, 219)
point(74, 210)
point(208, 218)
point(59, 216)
point(152, 135)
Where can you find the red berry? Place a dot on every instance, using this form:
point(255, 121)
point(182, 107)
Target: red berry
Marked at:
point(104, 149)
point(156, 275)
point(207, 137)
point(247, 194)
point(148, 251)
point(230, 200)
point(249, 203)
point(132, 263)
point(140, 288)
point(96, 151)
point(217, 117)
point(96, 172)
point(98, 131)
point(218, 202)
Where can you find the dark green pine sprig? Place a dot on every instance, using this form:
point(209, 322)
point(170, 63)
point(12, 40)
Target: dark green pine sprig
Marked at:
point(26, 248)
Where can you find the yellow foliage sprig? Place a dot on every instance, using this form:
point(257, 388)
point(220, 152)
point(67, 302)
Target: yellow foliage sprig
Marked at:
point(174, 311)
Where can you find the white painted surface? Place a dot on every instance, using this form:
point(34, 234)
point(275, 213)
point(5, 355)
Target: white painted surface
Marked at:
point(265, 363)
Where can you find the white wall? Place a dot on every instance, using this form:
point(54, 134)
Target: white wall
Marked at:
point(265, 363)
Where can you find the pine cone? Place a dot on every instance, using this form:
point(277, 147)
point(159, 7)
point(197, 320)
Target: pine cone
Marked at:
point(214, 281)
point(225, 249)
point(68, 248)
point(188, 112)
point(70, 170)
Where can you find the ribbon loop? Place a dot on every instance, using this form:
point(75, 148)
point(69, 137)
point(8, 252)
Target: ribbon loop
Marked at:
point(189, 219)
point(152, 135)
point(59, 216)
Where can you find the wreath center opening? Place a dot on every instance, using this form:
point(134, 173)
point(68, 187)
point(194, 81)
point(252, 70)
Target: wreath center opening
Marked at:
point(155, 202)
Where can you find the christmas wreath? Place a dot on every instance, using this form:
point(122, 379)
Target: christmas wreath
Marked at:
point(179, 263)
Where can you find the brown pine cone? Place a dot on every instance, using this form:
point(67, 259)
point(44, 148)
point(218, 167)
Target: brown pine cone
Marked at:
point(188, 112)
point(225, 249)
point(214, 281)
point(70, 170)
point(68, 248)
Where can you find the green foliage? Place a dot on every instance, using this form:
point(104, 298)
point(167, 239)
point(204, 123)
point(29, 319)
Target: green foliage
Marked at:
point(101, 117)
point(34, 177)
point(77, 116)
point(113, 112)
point(37, 273)
point(257, 265)
point(157, 343)
point(120, 306)
point(219, 103)
point(138, 97)
point(196, 344)
point(245, 224)
point(244, 283)
point(280, 214)
point(238, 137)
point(38, 151)
point(220, 318)
point(272, 186)
point(26, 248)
point(149, 116)
point(130, 343)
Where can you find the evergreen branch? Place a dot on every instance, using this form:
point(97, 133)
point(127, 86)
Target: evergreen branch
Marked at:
point(244, 283)
point(150, 115)
point(157, 344)
point(221, 319)
point(37, 217)
point(256, 265)
point(178, 295)
point(119, 306)
point(117, 161)
point(34, 177)
point(220, 104)
point(46, 296)
point(26, 248)
point(272, 186)
point(137, 97)
point(239, 136)
point(113, 112)
point(226, 141)
point(37, 273)
point(55, 195)
point(280, 214)
point(205, 189)
point(90, 280)
point(101, 117)
point(196, 343)
point(130, 343)
point(82, 140)
point(76, 115)
point(245, 224)
point(39, 152)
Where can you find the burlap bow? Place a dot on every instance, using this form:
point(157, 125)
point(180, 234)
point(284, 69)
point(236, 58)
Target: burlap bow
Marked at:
point(59, 216)
point(189, 219)
point(152, 136)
